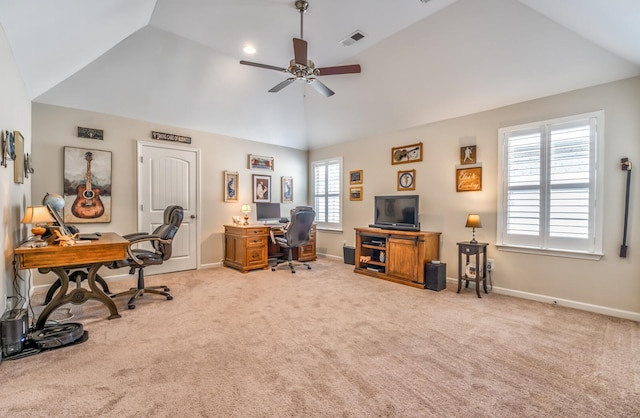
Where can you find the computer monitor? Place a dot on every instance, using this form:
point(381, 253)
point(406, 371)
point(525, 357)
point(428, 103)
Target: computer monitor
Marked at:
point(267, 211)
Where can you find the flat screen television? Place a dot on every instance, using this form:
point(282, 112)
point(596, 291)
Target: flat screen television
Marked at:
point(396, 212)
point(268, 211)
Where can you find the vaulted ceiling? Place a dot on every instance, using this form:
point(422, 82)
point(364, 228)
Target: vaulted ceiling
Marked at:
point(176, 62)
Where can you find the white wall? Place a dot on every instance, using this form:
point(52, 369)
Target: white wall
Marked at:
point(15, 114)
point(612, 283)
point(56, 127)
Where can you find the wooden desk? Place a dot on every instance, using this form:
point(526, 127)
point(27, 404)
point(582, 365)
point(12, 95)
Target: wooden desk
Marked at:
point(110, 247)
point(248, 247)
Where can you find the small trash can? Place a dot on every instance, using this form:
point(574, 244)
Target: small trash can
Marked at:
point(349, 254)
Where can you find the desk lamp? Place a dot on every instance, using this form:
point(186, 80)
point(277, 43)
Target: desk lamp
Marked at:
point(473, 221)
point(246, 209)
point(39, 216)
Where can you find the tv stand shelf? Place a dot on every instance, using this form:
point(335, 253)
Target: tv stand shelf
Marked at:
point(397, 256)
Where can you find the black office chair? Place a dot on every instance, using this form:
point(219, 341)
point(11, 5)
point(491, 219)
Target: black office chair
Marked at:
point(296, 234)
point(161, 239)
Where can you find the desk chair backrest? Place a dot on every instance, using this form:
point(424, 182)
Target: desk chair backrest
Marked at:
point(298, 232)
point(173, 216)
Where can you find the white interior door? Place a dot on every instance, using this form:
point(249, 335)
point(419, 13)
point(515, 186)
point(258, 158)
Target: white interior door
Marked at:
point(167, 175)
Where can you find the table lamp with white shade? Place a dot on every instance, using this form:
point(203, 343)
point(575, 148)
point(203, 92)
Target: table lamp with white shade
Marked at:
point(246, 209)
point(473, 221)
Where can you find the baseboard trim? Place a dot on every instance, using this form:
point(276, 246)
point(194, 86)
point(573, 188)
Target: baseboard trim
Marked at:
point(603, 310)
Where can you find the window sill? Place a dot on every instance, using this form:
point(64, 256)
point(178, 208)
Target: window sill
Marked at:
point(551, 253)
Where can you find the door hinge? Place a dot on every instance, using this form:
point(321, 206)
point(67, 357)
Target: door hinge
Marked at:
point(141, 208)
point(141, 159)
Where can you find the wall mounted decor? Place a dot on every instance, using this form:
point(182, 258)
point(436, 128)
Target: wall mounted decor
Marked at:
point(468, 154)
point(170, 137)
point(90, 133)
point(261, 188)
point(287, 189)
point(18, 157)
point(4, 147)
point(28, 165)
point(87, 185)
point(406, 180)
point(406, 154)
point(469, 179)
point(355, 193)
point(230, 186)
point(355, 177)
point(256, 161)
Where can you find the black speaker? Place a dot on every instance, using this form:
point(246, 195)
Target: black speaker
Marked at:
point(436, 276)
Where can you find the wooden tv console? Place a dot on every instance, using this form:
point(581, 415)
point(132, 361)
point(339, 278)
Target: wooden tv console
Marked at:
point(397, 256)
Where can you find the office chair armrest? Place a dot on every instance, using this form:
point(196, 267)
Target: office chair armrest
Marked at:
point(144, 238)
point(135, 235)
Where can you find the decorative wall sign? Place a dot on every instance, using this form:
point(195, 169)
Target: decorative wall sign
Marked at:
point(261, 188)
point(170, 137)
point(355, 193)
point(468, 154)
point(87, 185)
point(406, 154)
point(469, 179)
point(90, 133)
point(355, 177)
point(287, 189)
point(18, 157)
point(406, 180)
point(256, 161)
point(4, 147)
point(230, 186)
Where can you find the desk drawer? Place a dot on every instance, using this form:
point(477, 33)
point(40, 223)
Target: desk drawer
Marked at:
point(256, 256)
point(469, 249)
point(256, 241)
point(251, 232)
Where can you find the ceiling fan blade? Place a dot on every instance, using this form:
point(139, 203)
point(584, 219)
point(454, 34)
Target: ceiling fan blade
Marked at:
point(320, 88)
point(282, 85)
point(300, 51)
point(340, 69)
point(268, 67)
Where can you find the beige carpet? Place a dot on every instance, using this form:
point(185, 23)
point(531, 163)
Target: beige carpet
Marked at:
point(329, 343)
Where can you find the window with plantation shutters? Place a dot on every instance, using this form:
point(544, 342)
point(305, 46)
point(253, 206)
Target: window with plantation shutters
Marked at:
point(327, 192)
point(549, 185)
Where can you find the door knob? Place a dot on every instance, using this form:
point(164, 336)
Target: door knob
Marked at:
point(193, 216)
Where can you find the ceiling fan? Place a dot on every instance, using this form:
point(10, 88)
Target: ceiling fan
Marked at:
point(302, 68)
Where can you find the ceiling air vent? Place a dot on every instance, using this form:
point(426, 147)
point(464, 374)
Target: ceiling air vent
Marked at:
point(353, 38)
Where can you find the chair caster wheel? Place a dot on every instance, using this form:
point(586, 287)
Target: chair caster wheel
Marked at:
point(166, 289)
point(293, 271)
point(273, 269)
point(169, 297)
point(308, 268)
point(131, 306)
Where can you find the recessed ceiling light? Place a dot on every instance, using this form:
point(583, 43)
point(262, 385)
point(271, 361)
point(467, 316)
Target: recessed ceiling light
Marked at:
point(249, 49)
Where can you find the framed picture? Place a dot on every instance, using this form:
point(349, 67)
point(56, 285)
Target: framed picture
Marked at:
point(256, 161)
point(287, 189)
point(230, 186)
point(261, 188)
point(406, 154)
point(355, 177)
point(468, 154)
point(355, 193)
point(18, 167)
point(406, 180)
point(469, 179)
point(87, 185)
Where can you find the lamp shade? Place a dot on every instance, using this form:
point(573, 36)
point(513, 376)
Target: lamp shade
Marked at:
point(473, 221)
point(246, 208)
point(37, 215)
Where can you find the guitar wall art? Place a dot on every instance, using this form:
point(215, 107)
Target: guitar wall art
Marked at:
point(406, 154)
point(87, 185)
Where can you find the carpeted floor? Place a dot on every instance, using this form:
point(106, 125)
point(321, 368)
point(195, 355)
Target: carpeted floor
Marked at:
point(329, 343)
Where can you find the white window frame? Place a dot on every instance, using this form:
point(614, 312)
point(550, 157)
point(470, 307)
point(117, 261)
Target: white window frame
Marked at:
point(332, 226)
point(543, 244)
